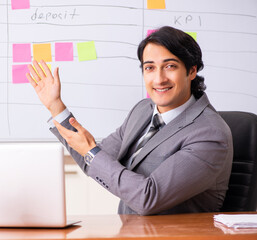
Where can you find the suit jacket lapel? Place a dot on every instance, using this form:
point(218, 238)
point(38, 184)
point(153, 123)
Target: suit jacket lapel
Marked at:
point(172, 128)
point(180, 122)
point(140, 120)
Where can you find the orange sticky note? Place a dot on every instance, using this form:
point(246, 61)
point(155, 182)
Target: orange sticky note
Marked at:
point(42, 51)
point(156, 4)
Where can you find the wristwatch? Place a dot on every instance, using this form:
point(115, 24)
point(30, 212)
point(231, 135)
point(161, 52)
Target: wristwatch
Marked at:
point(88, 158)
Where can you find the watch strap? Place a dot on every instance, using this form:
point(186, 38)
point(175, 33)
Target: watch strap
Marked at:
point(95, 150)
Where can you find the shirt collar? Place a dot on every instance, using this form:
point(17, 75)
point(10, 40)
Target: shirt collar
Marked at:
point(172, 114)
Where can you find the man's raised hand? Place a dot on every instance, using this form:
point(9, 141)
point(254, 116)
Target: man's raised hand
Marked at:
point(47, 86)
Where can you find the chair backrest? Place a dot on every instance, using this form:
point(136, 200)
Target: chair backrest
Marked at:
point(242, 192)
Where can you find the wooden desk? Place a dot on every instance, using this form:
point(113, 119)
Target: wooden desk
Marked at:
point(183, 226)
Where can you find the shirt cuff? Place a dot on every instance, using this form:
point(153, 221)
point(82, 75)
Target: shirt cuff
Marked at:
point(59, 118)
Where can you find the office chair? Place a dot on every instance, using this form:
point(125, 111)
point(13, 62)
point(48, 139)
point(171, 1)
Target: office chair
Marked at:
point(242, 192)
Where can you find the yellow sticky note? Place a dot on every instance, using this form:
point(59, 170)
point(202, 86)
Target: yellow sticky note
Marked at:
point(156, 4)
point(86, 51)
point(42, 51)
point(193, 35)
point(49, 66)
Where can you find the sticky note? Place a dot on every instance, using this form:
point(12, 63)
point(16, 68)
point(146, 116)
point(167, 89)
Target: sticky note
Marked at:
point(42, 51)
point(21, 52)
point(64, 51)
point(156, 4)
point(20, 4)
point(147, 95)
point(150, 31)
point(19, 73)
point(192, 34)
point(86, 51)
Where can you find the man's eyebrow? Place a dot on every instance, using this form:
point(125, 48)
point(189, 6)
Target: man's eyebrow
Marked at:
point(165, 60)
point(171, 59)
point(148, 62)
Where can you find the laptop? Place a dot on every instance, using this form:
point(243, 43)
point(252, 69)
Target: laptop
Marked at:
point(32, 185)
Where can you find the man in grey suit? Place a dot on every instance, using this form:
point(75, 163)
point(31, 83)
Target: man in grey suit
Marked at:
point(173, 153)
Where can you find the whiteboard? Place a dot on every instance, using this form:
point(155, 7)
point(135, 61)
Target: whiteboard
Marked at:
point(101, 92)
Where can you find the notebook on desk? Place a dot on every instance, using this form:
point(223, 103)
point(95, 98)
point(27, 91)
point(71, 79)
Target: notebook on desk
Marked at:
point(32, 185)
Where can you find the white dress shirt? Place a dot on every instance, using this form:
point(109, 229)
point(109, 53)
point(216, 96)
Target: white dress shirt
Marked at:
point(173, 113)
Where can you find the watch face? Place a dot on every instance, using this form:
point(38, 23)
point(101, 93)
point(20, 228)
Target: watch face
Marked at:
point(88, 158)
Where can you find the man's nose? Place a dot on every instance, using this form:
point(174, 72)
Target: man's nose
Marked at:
point(160, 77)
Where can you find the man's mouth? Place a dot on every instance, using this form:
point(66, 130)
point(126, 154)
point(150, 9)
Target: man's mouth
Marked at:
point(162, 89)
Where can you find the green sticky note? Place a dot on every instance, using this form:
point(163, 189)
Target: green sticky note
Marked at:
point(193, 35)
point(86, 51)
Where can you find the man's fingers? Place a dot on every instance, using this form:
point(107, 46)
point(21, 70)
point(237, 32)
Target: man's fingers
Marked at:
point(56, 75)
point(39, 69)
point(68, 135)
point(75, 124)
point(62, 130)
point(34, 73)
point(31, 80)
point(46, 68)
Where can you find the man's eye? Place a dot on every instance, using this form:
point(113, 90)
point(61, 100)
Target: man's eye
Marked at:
point(148, 68)
point(170, 66)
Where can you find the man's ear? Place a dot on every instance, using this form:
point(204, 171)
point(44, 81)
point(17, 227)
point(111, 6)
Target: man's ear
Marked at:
point(193, 72)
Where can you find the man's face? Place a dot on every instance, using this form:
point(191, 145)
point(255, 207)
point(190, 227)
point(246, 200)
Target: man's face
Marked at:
point(166, 79)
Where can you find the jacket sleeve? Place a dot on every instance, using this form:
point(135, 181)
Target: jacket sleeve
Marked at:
point(111, 144)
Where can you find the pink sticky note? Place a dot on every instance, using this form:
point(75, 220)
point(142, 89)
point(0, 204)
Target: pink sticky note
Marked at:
point(21, 52)
point(147, 95)
point(150, 31)
point(19, 73)
point(64, 51)
point(20, 4)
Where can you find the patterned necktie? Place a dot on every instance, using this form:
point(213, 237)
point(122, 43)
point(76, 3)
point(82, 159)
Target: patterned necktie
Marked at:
point(157, 124)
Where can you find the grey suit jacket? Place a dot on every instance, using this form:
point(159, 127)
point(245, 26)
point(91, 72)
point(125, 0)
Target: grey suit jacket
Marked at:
point(184, 168)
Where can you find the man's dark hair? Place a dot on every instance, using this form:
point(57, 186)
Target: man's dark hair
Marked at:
point(181, 45)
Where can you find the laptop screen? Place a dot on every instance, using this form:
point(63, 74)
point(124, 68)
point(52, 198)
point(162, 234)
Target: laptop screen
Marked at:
point(32, 185)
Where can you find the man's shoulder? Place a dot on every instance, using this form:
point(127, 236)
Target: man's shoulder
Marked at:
point(211, 121)
point(145, 103)
point(205, 116)
point(143, 108)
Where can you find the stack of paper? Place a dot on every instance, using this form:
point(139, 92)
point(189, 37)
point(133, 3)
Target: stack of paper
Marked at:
point(228, 230)
point(237, 220)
